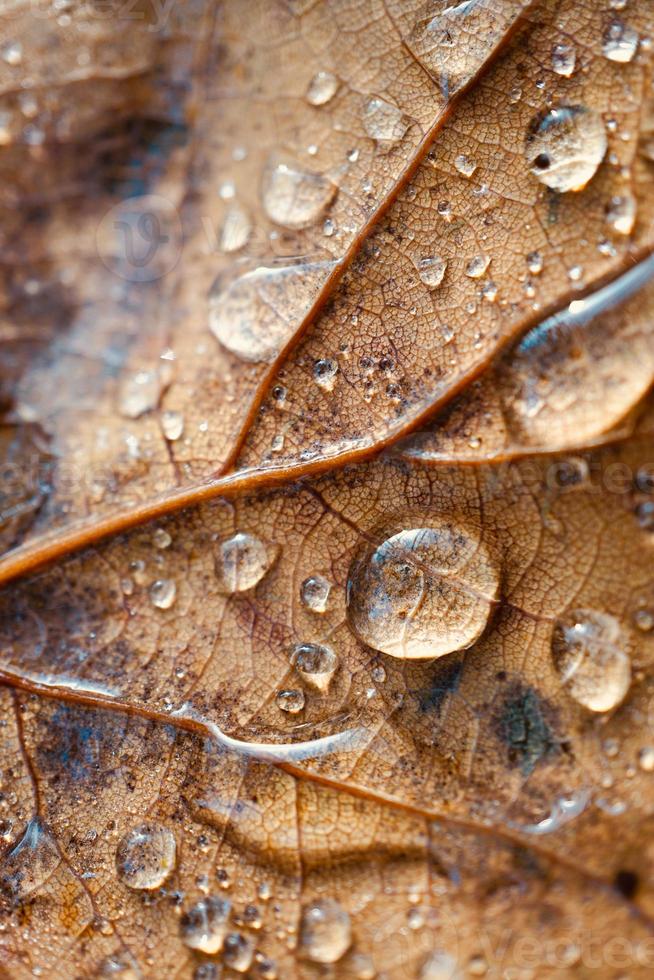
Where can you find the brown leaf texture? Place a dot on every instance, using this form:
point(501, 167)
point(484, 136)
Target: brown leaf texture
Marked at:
point(327, 604)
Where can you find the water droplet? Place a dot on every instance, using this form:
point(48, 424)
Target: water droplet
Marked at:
point(477, 266)
point(324, 373)
point(489, 291)
point(12, 53)
point(465, 165)
point(440, 965)
point(431, 270)
point(325, 931)
point(565, 146)
point(590, 656)
point(205, 925)
point(120, 966)
point(141, 393)
point(314, 593)
point(383, 121)
point(535, 263)
point(575, 273)
point(172, 424)
point(322, 88)
point(236, 230)
point(619, 42)
point(645, 515)
point(422, 593)
point(295, 198)
point(644, 620)
point(315, 663)
point(146, 856)
point(646, 758)
point(564, 59)
point(161, 538)
point(238, 952)
point(328, 228)
point(242, 561)
point(163, 593)
point(255, 314)
point(290, 700)
point(621, 213)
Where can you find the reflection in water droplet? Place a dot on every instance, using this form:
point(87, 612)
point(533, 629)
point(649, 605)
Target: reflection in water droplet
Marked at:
point(477, 267)
point(236, 230)
point(591, 657)
point(325, 931)
point(254, 315)
point(431, 270)
point(564, 59)
point(621, 213)
point(238, 952)
point(163, 593)
point(205, 925)
point(383, 121)
point(619, 42)
point(242, 561)
point(146, 856)
point(465, 165)
point(315, 663)
point(314, 593)
point(565, 146)
point(291, 701)
point(322, 88)
point(324, 373)
point(422, 593)
point(293, 197)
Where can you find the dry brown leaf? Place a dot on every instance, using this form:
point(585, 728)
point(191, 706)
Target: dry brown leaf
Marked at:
point(340, 712)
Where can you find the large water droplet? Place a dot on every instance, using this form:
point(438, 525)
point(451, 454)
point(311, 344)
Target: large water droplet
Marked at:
point(325, 931)
point(322, 88)
point(314, 593)
point(619, 42)
point(324, 373)
point(238, 952)
point(564, 59)
point(205, 925)
point(477, 266)
point(591, 658)
point(315, 663)
point(431, 270)
point(242, 561)
point(163, 593)
point(565, 146)
point(254, 315)
point(383, 121)
point(422, 593)
point(146, 856)
point(293, 197)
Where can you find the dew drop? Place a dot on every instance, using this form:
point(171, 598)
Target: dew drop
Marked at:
point(324, 373)
point(535, 263)
point(477, 266)
point(619, 42)
point(295, 198)
point(383, 121)
point(236, 230)
point(161, 539)
point(172, 424)
point(564, 59)
point(431, 270)
point(565, 146)
point(255, 314)
point(238, 952)
point(120, 966)
point(489, 292)
point(146, 856)
point(12, 53)
point(204, 926)
point(621, 213)
point(591, 658)
point(315, 663)
point(163, 593)
point(290, 700)
point(440, 965)
point(141, 393)
point(325, 931)
point(242, 561)
point(644, 620)
point(422, 593)
point(314, 593)
point(465, 165)
point(646, 758)
point(322, 88)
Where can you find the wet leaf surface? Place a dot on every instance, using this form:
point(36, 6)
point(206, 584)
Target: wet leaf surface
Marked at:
point(327, 606)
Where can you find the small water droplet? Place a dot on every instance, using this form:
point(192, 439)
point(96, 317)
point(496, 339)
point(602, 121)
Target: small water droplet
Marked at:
point(290, 700)
point(535, 263)
point(422, 593)
point(315, 663)
point(440, 965)
point(236, 230)
point(141, 392)
point(383, 121)
point(238, 952)
point(322, 88)
point(489, 291)
point(575, 273)
point(644, 620)
point(12, 53)
point(242, 561)
point(325, 931)
point(120, 966)
point(161, 538)
point(619, 42)
point(324, 373)
point(314, 593)
point(590, 655)
point(431, 270)
point(172, 424)
point(477, 266)
point(204, 926)
point(564, 59)
point(621, 213)
point(328, 228)
point(646, 758)
point(565, 146)
point(146, 856)
point(465, 165)
point(295, 198)
point(163, 593)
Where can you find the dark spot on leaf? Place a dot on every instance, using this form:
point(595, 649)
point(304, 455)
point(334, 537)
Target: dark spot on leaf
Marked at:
point(523, 724)
point(627, 883)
